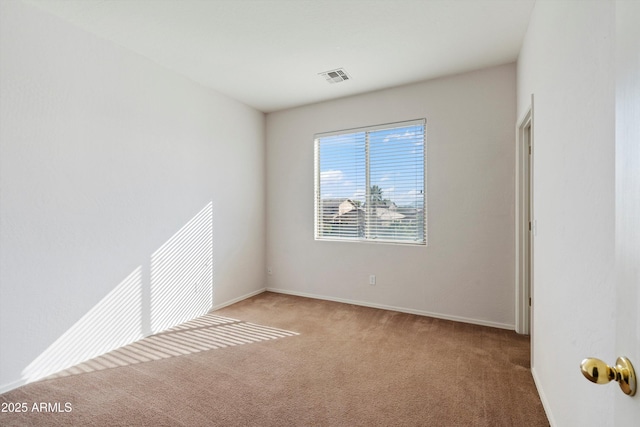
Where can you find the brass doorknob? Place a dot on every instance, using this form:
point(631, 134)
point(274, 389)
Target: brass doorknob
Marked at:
point(596, 371)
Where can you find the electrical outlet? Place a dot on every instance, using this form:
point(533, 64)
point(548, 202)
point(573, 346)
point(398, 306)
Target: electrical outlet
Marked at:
point(269, 270)
point(372, 279)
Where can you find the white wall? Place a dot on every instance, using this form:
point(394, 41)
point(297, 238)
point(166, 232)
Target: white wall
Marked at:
point(467, 270)
point(104, 158)
point(567, 62)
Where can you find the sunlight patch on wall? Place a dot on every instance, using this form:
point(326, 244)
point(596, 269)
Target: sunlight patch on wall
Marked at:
point(114, 322)
point(182, 273)
point(180, 288)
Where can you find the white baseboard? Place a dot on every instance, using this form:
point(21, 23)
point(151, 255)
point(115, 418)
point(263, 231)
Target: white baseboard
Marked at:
point(543, 398)
point(238, 299)
point(10, 386)
point(399, 309)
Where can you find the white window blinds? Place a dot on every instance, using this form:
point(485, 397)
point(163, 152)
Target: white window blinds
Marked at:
point(370, 184)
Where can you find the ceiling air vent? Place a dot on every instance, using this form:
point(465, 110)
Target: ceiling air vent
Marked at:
point(335, 76)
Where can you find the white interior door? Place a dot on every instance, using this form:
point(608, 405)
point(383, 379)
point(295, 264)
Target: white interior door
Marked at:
point(627, 409)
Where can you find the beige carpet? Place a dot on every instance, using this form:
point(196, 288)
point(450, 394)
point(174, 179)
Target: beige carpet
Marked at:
point(279, 360)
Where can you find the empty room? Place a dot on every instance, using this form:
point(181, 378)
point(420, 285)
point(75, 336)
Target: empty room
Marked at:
point(319, 212)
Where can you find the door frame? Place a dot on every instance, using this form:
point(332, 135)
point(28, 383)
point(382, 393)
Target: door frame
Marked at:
point(525, 224)
point(625, 409)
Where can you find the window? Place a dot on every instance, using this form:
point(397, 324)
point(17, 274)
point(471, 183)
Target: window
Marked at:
point(370, 184)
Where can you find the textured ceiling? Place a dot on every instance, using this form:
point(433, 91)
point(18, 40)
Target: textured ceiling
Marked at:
point(269, 53)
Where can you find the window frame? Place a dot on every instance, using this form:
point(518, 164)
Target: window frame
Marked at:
point(317, 185)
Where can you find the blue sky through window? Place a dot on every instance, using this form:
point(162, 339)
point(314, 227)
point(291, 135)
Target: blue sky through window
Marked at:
point(396, 158)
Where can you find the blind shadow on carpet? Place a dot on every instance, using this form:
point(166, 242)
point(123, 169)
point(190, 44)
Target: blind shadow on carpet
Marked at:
point(208, 332)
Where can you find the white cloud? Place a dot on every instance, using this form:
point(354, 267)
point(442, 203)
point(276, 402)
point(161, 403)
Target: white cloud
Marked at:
point(358, 195)
point(408, 198)
point(331, 177)
point(336, 184)
point(388, 192)
point(398, 136)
